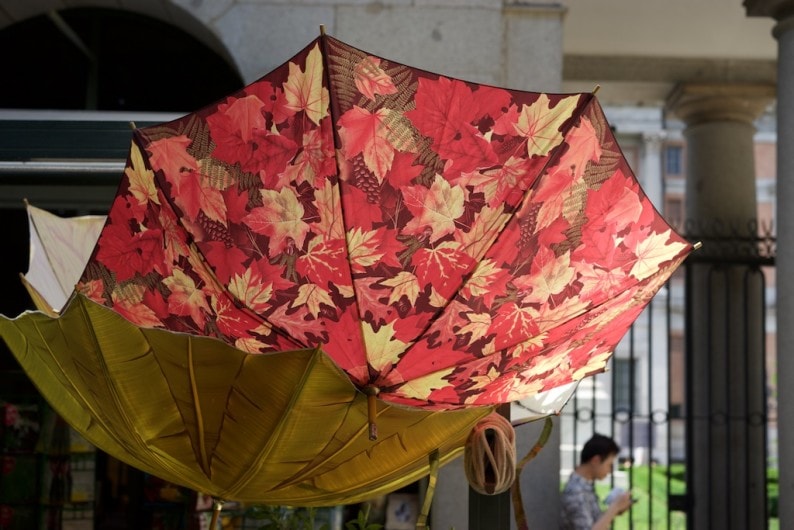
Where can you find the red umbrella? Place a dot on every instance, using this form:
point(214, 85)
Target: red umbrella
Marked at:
point(447, 244)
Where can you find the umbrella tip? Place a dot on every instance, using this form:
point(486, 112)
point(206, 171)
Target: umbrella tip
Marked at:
point(322, 30)
point(697, 245)
point(596, 89)
point(133, 126)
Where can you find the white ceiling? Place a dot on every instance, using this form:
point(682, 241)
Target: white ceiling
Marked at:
point(639, 50)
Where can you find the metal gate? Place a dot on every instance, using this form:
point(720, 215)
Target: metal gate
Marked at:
point(650, 399)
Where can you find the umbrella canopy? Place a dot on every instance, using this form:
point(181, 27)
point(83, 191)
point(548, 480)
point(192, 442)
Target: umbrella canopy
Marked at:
point(447, 245)
point(59, 250)
point(283, 428)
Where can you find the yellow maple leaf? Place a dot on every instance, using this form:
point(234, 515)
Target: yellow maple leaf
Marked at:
point(280, 217)
point(141, 179)
point(304, 90)
point(312, 296)
point(249, 344)
point(421, 387)
point(481, 279)
point(652, 252)
point(436, 300)
point(327, 200)
point(541, 124)
point(363, 248)
point(552, 275)
point(482, 380)
point(383, 350)
point(251, 289)
point(186, 299)
point(435, 208)
point(405, 283)
point(478, 325)
point(486, 226)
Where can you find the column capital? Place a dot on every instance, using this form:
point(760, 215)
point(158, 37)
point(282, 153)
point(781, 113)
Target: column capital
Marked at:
point(777, 9)
point(654, 137)
point(696, 103)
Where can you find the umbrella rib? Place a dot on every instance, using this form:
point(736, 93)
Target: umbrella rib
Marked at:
point(197, 406)
point(297, 478)
point(417, 465)
point(163, 464)
point(138, 136)
point(324, 40)
point(95, 415)
point(259, 460)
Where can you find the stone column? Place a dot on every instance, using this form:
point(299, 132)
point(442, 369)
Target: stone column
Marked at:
point(725, 387)
point(783, 12)
point(651, 175)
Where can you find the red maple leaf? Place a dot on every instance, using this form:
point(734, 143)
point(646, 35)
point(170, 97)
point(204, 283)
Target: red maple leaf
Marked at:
point(553, 233)
point(442, 105)
point(226, 262)
point(445, 110)
point(272, 273)
point(358, 210)
point(170, 155)
point(232, 129)
point(231, 321)
point(155, 301)
point(273, 99)
point(467, 150)
point(192, 196)
point(324, 262)
point(614, 206)
point(279, 151)
point(442, 267)
point(125, 253)
point(492, 101)
point(513, 324)
point(403, 170)
point(236, 204)
point(349, 353)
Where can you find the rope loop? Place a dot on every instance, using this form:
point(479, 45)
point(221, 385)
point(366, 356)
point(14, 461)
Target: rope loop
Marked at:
point(490, 455)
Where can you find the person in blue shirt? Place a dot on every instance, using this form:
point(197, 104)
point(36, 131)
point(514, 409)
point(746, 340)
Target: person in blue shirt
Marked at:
point(580, 507)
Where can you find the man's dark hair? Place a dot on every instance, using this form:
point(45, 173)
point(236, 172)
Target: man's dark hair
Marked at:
point(599, 445)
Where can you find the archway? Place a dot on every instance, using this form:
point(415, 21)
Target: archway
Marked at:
point(107, 59)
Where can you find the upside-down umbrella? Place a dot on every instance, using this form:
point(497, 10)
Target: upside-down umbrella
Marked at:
point(59, 251)
point(447, 245)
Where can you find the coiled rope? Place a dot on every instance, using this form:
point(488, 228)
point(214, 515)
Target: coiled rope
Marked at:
point(490, 455)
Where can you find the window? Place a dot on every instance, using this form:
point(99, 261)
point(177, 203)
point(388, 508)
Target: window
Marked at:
point(672, 160)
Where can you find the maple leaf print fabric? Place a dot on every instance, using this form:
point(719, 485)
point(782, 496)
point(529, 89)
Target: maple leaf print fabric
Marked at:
point(452, 244)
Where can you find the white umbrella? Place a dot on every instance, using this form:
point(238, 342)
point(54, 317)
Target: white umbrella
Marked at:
point(59, 250)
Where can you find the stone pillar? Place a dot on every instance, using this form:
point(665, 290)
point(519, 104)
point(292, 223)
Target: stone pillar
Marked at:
point(784, 32)
point(783, 12)
point(651, 174)
point(725, 386)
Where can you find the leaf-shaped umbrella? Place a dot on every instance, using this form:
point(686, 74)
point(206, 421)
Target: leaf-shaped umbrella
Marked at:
point(448, 245)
